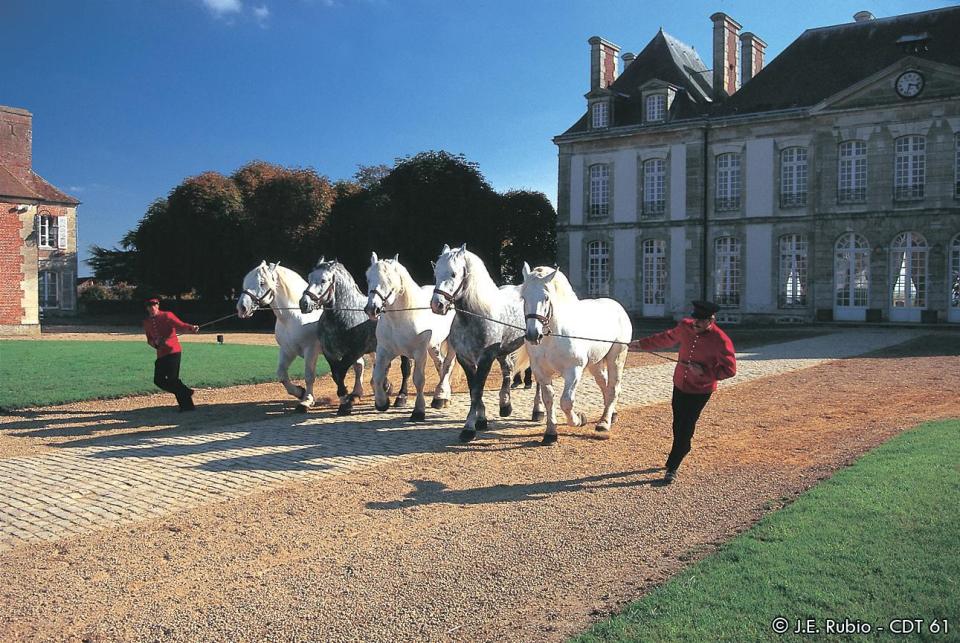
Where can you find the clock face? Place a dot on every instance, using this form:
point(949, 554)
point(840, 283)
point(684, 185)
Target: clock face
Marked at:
point(909, 84)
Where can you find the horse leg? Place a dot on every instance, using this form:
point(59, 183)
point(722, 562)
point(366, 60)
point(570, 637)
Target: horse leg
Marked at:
point(404, 382)
point(469, 431)
point(538, 412)
point(597, 370)
point(283, 375)
point(358, 367)
point(419, 379)
point(506, 408)
point(570, 380)
point(310, 358)
point(616, 360)
point(546, 386)
point(381, 398)
point(528, 378)
point(444, 363)
point(476, 394)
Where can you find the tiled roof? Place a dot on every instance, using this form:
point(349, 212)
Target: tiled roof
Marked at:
point(31, 187)
point(824, 61)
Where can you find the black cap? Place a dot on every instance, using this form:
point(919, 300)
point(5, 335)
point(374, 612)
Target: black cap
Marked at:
point(704, 309)
point(150, 300)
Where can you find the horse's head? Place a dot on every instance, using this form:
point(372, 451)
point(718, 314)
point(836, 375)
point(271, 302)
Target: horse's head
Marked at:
point(450, 277)
point(259, 289)
point(383, 284)
point(320, 287)
point(537, 307)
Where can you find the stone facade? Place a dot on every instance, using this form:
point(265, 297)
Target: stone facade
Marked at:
point(777, 258)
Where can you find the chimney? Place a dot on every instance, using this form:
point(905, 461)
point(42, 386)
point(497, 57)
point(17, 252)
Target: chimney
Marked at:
point(16, 135)
point(751, 56)
point(603, 63)
point(863, 16)
point(627, 58)
point(725, 68)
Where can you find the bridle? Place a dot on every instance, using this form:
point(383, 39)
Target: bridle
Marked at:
point(321, 299)
point(544, 320)
point(383, 298)
point(452, 298)
point(261, 300)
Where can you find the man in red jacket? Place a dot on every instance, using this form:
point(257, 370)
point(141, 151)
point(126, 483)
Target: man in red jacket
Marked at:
point(706, 356)
point(161, 327)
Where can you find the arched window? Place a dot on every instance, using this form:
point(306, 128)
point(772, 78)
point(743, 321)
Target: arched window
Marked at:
point(793, 270)
point(793, 177)
point(599, 190)
point(910, 168)
point(654, 194)
point(598, 268)
point(852, 172)
point(654, 272)
point(727, 271)
point(908, 265)
point(851, 271)
point(728, 182)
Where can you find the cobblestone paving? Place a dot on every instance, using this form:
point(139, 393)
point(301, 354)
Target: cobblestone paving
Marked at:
point(123, 479)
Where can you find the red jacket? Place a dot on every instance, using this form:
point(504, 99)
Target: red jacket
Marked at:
point(711, 349)
point(161, 332)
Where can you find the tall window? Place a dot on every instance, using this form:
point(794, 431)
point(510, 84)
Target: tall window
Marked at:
point(654, 195)
point(955, 272)
point(908, 263)
point(728, 182)
point(598, 268)
point(793, 270)
point(49, 231)
point(852, 271)
point(793, 177)
point(956, 168)
point(654, 272)
point(49, 282)
point(910, 168)
point(599, 190)
point(852, 172)
point(727, 271)
point(601, 115)
point(656, 108)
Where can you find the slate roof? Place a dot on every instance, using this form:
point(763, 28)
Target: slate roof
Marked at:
point(32, 187)
point(826, 60)
point(664, 58)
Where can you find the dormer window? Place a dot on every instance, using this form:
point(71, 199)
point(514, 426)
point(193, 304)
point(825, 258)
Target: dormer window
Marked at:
point(655, 108)
point(600, 115)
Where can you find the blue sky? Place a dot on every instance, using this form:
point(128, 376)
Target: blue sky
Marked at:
point(129, 97)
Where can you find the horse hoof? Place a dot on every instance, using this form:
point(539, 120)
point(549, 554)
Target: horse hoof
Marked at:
point(302, 408)
point(613, 418)
point(345, 409)
point(538, 416)
point(302, 394)
point(382, 407)
point(468, 436)
point(603, 432)
point(548, 439)
point(446, 403)
point(481, 424)
point(437, 403)
point(418, 416)
point(506, 410)
point(400, 401)
point(528, 385)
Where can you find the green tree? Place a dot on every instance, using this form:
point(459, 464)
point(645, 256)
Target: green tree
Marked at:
point(529, 232)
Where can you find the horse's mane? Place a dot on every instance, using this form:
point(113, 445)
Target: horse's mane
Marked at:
point(405, 277)
point(482, 291)
point(559, 287)
point(290, 285)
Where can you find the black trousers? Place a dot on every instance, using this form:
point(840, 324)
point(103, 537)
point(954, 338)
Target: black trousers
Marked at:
point(166, 375)
point(686, 412)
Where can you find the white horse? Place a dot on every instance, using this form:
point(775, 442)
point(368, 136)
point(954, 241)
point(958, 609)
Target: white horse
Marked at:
point(487, 328)
point(408, 328)
point(296, 332)
point(555, 320)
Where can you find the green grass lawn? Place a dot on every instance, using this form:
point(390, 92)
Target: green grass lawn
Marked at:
point(878, 541)
point(36, 373)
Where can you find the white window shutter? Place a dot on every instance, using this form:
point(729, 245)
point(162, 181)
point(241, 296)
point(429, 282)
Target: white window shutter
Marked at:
point(62, 233)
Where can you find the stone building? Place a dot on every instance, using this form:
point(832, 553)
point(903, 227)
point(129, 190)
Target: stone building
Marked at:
point(38, 234)
point(824, 185)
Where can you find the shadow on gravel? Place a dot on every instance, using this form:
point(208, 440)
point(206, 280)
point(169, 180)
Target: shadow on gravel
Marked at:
point(431, 492)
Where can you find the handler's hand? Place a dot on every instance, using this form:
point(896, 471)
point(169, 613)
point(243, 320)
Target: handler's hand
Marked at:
point(196, 329)
point(698, 368)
